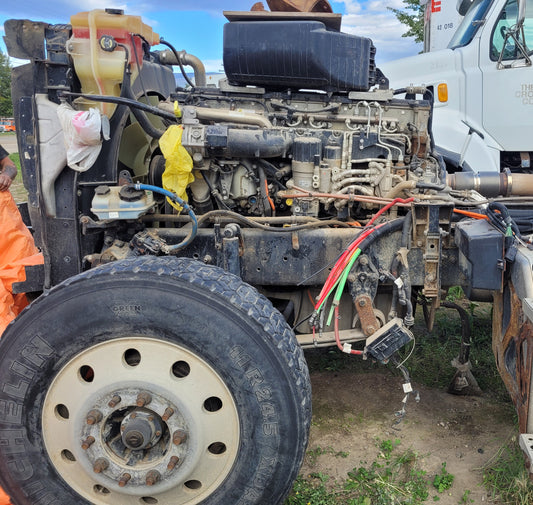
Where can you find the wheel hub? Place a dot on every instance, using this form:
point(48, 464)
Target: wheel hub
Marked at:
point(135, 441)
point(141, 429)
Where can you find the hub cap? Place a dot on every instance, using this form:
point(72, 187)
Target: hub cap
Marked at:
point(139, 420)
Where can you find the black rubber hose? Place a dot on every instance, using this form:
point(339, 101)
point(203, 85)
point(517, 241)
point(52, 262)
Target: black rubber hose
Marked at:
point(504, 217)
point(406, 230)
point(142, 119)
point(464, 353)
point(178, 59)
point(132, 103)
point(386, 229)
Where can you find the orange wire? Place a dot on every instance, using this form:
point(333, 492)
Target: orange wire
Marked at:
point(272, 206)
point(468, 213)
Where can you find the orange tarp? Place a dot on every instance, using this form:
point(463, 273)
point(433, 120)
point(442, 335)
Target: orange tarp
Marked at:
point(17, 250)
point(4, 499)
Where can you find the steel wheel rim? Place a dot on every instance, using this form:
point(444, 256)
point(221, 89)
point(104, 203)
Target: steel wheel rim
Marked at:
point(176, 380)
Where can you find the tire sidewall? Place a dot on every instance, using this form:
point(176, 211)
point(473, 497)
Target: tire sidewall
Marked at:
point(85, 313)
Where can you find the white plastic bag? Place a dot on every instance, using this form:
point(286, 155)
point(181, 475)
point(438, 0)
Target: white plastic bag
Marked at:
point(83, 138)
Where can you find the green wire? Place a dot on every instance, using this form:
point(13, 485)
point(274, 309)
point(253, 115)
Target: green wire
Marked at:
point(328, 294)
point(341, 284)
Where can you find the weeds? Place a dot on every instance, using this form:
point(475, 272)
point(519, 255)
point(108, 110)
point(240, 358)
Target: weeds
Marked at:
point(466, 498)
point(394, 478)
point(443, 480)
point(313, 454)
point(506, 477)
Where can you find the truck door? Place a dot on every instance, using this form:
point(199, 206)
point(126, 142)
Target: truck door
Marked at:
point(508, 86)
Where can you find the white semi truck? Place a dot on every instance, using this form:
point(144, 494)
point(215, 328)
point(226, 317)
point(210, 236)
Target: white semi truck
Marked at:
point(482, 85)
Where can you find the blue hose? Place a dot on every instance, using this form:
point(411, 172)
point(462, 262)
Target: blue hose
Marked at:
point(179, 201)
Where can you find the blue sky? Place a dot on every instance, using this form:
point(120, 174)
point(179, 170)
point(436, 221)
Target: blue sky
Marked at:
point(196, 25)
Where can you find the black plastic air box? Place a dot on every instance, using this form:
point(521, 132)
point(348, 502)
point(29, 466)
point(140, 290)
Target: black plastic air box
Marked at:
point(481, 255)
point(297, 55)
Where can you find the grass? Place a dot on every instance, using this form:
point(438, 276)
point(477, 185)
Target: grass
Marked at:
point(17, 187)
point(396, 477)
point(430, 362)
point(506, 477)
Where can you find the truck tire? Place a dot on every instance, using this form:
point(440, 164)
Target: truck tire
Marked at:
point(152, 381)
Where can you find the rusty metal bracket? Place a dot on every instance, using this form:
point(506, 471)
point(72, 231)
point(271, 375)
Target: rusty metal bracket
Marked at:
point(513, 343)
point(367, 317)
point(432, 254)
point(364, 281)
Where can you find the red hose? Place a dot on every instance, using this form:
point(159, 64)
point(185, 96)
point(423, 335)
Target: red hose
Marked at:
point(338, 338)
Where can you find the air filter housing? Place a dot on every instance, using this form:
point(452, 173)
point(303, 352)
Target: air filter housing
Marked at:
point(298, 55)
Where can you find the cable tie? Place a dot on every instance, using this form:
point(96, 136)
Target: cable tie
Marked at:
point(347, 348)
point(399, 282)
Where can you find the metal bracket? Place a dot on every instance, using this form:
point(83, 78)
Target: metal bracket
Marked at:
point(432, 254)
point(526, 444)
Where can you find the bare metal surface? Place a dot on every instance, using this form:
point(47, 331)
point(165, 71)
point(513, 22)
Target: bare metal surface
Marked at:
point(367, 317)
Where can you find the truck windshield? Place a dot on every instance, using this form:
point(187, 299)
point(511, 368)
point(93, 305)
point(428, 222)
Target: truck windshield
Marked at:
point(470, 24)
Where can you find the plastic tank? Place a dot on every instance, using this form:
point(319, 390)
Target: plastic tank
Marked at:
point(115, 202)
point(297, 54)
point(100, 72)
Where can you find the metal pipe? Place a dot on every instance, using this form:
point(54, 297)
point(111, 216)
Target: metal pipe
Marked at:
point(492, 184)
point(232, 116)
point(399, 188)
point(167, 57)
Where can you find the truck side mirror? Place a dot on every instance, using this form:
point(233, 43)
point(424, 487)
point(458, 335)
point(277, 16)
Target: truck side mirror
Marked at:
point(463, 6)
point(521, 13)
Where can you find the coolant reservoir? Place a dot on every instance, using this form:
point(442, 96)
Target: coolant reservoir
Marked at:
point(101, 72)
point(121, 202)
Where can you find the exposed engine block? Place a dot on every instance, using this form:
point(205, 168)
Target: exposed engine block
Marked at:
point(306, 153)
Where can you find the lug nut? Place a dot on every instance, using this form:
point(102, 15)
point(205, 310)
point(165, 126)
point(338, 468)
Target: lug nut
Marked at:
point(124, 479)
point(174, 460)
point(168, 414)
point(115, 401)
point(143, 399)
point(87, 443)
point(152, 477)
point(100, 465)
point(94, 417)
point(179, 436)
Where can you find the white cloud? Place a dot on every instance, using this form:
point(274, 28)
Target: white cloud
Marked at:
point(213, 65)
point(380, 25)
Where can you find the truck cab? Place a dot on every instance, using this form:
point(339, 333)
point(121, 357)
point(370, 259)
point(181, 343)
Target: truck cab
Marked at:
point(482, 85)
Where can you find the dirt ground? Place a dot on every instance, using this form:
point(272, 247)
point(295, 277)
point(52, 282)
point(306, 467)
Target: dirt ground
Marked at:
point(352, 411)
point(9, 142)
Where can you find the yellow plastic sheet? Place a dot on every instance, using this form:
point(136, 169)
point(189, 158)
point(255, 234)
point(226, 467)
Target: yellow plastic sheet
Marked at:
point(178, 167)
point(17, 250)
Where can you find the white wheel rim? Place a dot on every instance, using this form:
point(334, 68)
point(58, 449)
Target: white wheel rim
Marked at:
point(90, 381)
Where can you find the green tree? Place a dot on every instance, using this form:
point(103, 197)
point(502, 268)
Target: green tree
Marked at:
point(6, 107)
point(413, 17)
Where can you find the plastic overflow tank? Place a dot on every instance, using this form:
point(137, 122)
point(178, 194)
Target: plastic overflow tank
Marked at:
point(101, 72)
point(121, 202)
